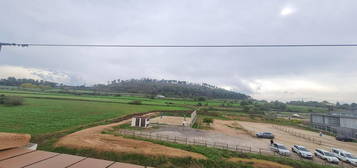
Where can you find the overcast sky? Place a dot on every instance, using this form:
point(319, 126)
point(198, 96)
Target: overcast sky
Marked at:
point(320, 73)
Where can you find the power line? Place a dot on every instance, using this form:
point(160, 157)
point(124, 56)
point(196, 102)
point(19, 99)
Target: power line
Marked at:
point(176, 46)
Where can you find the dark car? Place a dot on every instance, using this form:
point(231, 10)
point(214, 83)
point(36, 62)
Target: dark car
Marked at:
point(268, 135)
point(344, 138)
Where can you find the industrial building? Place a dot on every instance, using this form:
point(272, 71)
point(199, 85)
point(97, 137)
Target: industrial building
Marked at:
point(338, 123)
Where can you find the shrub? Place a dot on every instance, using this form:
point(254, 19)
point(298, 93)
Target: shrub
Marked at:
point(208, 120)
point(136, 102)
point(2, 99)
point(13, 100)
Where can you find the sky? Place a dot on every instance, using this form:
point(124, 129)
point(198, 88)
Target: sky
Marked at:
point(309, 73)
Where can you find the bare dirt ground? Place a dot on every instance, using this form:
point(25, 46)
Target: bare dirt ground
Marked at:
point(222, 133)
point(170, 120)
point(93, 138)
point(232, 128)
point(288, 139)
point(12, 140)
point(259, 163)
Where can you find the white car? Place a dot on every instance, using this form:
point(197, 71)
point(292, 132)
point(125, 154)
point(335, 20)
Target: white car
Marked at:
point(280, 148)
point(325, 155)
point(345, 156)
point(302, 151)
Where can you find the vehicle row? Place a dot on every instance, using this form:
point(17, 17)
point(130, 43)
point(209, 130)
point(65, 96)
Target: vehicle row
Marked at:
point(335, 156)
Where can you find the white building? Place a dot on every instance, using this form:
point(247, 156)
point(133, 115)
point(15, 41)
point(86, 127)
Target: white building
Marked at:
point(140, 122)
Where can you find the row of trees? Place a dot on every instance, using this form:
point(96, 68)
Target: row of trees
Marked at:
point(152, 87)
point(11, 81)
point(171, 88)
point(325, 104)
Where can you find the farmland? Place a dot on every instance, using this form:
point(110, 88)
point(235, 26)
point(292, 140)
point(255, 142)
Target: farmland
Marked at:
point(72, 123)
point(48, 113)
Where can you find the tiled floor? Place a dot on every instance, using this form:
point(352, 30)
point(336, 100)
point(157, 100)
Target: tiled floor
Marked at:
point(21, 157)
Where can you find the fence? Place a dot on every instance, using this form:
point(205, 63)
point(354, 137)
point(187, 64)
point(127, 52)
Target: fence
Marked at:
point(298, 134)
point(218, 145)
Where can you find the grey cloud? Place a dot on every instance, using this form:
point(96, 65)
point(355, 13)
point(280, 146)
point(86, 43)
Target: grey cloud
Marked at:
point(184, 22)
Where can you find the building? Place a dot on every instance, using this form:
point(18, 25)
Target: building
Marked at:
point(160, 96)
point(338, 123)
point(140, 122)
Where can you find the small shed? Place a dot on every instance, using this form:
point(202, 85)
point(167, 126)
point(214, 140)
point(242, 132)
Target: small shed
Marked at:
point(160, 96)
point(140, 122)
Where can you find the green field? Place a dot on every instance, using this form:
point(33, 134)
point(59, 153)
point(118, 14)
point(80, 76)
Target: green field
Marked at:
point(113, 99)
point(39, 116)
point(47, 112)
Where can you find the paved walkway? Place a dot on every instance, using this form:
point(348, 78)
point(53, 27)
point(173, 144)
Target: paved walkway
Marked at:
point(22, 157)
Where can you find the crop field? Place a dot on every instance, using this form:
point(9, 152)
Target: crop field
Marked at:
point(115, 99)
point(39, 116)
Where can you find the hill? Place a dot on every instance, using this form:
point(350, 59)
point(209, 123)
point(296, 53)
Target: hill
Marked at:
point(151, 87)
point(170, 88)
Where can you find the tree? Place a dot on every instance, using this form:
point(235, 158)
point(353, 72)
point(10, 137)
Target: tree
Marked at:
point(2, 99)
point(13, 100)
point(246, 108)
point(208, 121)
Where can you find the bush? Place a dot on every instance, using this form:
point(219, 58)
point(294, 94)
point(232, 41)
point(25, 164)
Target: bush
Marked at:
point(13, 100)
point(136, 102)
point(2, 99)
point(208, 120)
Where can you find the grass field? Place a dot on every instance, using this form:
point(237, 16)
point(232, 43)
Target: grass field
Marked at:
point(39, 116)
point(114, 99)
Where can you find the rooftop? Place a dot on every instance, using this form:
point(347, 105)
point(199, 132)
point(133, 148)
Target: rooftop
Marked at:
point(22, 157)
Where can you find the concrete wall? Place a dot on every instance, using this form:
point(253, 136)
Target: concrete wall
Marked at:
point(346, 126)
point(317, 119)
point(332, 121)
point(348, 122)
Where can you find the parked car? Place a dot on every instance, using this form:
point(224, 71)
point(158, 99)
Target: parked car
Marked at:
point(280, 149)
point(344, 138)
point(345, 156)
point(325, 155)
point(268, 135)
point(302, 151)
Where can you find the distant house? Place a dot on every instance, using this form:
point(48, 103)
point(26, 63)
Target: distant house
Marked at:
point(296, 116)
point(140, 122)
point(160, 96)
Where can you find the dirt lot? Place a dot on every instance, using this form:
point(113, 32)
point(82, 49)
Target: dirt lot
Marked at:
point(92, 138)
point(170, 120)
point(288, 139)
point(232, 128)
point(222, 132)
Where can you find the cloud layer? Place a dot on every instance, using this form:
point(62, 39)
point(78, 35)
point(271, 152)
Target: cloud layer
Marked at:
point(267, 73)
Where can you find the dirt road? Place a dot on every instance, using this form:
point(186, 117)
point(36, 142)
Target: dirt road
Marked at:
point(93, 138)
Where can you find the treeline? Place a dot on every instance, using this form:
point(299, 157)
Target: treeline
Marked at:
point(11, 81)
point(150, 87)
point(325, 104)
point(170, 88)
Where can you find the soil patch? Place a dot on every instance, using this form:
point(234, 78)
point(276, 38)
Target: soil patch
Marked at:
point(92, 138)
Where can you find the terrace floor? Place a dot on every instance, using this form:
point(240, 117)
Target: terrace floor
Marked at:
point(22, 157)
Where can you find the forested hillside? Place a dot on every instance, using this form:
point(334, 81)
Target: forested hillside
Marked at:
point(171, 88)
point(151, 87)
